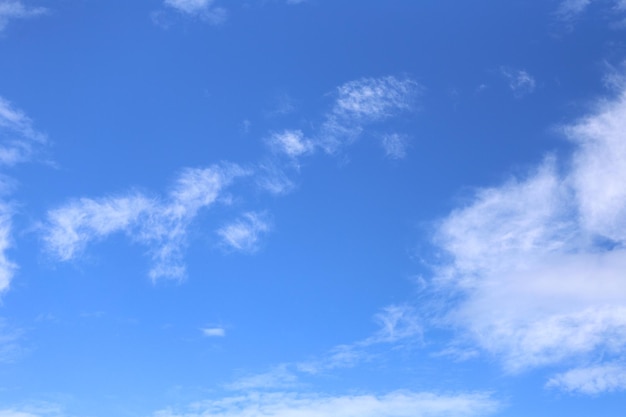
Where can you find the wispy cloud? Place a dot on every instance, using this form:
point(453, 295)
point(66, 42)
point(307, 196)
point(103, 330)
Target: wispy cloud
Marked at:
point(591, 380)
point(33, 410)
point(19, 142)
point(357, 105)
point(398, 325)
point(362, 102)
point(569, 10)
point(18, 137)
point(244, 233)
point(9, 342)
point(395, 145)
point(521, 83)
point(394, 404)
point(280, 377)
point(540, 260)
point(214, 331)
point(159, 223)
point(15, 9)
point(7, 268)
point(291, 143)
point(202, 9)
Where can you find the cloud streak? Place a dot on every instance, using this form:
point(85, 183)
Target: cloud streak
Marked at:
point(394, 404)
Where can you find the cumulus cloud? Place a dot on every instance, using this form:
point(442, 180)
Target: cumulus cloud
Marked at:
point(244, 233)
point(161, 224)
point(203, 9)
point(539, 260)
point(394, 404)
point(15, 9)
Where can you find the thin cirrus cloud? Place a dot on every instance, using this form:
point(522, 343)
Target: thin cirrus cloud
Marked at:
point(394, 404)
point(521, 83)
point(395, 145)
point(398, 325)
point(15, 10)
point(540, 260)
point(591, 380)
point(571, 9)
point(244, 233)
point(19, 142)
point(161, 224)
point(357, 104)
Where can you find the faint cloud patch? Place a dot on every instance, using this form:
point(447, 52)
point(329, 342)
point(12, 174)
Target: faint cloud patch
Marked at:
point(393, 404)
point(204, 10)
point(521, 83)
point(395, 145)
point(214, 332)
point(244, 233)
point(15, 10)
point(591, 380)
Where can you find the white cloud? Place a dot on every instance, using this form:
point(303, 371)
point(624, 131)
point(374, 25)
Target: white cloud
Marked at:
point(18, 137)
point(15, 413)
point(365, 101)
point(15, 9)
point(244, 233)
point(273, 179)
point(568, 10)
point(202, 9)
point(600, 168)
point(591, 380)
point(539, 261)
point(397, 323)
point(521, 82)
point(18, 143)
point(7, 268)
point(394, 404)
point(33, 410)
point(214, 332)
point(160, 224)
point(357, 104)
point(395, 145)
point(291, 143)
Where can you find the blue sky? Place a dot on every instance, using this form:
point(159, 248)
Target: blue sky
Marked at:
point(312, 208)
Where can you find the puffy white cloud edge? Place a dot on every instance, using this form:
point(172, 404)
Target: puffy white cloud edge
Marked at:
point(539, 261)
